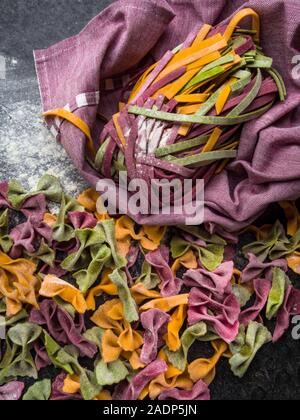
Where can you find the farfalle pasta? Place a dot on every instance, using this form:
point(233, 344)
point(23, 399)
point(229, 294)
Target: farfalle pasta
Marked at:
point(118, 309)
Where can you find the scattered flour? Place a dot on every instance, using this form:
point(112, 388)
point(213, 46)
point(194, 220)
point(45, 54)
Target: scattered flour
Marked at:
point(28, 150)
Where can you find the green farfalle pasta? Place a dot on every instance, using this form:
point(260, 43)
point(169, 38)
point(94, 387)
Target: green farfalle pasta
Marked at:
point(87, 277)
point(53, 349)
point(275, 246)
point(95, 335)
point(18, 361)
point(111, 373)
point(88, 238)
point(280, 281)
point(197, 332)
point(40, 391)
point(5, 241)
point(62, 231)
point(44, 254)
point(110, 237)
point(119, 278)
point(47, 185)
point(149, 279)
point(244, 349)
point(210, 256)
point(88, 382)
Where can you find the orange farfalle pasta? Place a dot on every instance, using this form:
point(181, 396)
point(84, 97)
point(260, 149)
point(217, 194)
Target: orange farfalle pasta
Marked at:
point(88, 199)
point(149, 237)
point(50, 219)
point(203, 368)
point(103, 396)
point(53, 286)
point(140, 293)
point(177, 320)
point(102, 318)
point(106, 286)
point(71, 384)
point(18, 284)
point(187, 260)
point(134, 359)
point(130, 340)
point(166, 304)
point(124, 234)
point(172, 378)
point(293, 261)
point(111, 351)
point(292, 215)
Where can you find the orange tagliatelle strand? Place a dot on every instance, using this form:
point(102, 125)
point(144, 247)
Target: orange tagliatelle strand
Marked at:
point(18, 283)
point(292, 215)
point(192, 54)
point(238, 18)
point(213, 140)
point(77, 122)
point(53, 286)
point(171, 90)
point(196, 98)
point(166, 304)
point(222, 99)
point(189, 109)
point(204, 31)
point(177, 320)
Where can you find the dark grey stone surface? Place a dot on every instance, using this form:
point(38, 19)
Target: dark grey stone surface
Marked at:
point(27, 151)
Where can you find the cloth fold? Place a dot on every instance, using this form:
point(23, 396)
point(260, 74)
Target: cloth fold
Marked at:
point(81, 72)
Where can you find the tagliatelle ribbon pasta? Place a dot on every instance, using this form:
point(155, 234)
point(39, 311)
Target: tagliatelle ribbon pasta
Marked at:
point(166, 304)
point(106, 286)
point(177, 320)
point(77, 122)
point(292, 216)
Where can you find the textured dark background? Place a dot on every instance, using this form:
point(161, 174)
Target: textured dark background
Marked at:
point(29, 24)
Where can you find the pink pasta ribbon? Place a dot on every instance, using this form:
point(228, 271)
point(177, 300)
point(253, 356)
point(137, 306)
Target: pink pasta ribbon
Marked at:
point(290, 307)
point(257, 269)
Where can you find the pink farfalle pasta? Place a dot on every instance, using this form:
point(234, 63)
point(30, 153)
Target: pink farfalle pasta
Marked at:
point(82, 220)
point(26, 236)
point(222, 315)
point(290, 307)
point(159, 259)
point(257, 269)
point(62, 327)
point(218, 281)
point(131, 391)
point(200, 392)
point(155, 324)
point(262, 289)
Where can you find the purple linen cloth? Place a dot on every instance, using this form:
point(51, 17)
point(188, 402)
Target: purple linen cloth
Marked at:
point(81, 72)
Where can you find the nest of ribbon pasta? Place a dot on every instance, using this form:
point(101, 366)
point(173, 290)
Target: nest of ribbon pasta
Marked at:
point(182, 119)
